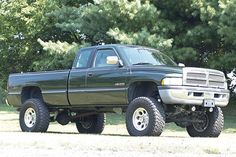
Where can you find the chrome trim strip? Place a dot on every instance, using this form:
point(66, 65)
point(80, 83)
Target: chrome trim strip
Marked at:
point(75, 91)
point(96, 90)
point(14, 93)
point(84, 90)
point(53, 91)
point(39, 73)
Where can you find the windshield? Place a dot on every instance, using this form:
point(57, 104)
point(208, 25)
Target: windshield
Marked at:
point(145, 56)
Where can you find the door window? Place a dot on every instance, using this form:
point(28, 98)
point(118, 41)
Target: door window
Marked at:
point(101, 58)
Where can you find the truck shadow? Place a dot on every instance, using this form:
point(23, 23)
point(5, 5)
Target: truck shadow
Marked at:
point(118, 135)
point(75, 133)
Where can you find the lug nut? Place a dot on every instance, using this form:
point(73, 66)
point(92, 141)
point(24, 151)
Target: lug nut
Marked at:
point(210, 109)
point(193, 108)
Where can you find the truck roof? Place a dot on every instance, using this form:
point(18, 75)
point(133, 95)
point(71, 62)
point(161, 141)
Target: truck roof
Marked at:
point(114, 46)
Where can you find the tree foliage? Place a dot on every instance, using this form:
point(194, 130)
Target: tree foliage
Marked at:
point(38, 35)
point(22, 22)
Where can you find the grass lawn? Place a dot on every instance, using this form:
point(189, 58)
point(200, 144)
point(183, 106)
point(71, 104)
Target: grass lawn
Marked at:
point(230, 117)
point(115, 119)
point(4, 107)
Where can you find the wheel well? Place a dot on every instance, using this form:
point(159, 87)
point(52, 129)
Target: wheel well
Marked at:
point(31, 92)
point(145, 88)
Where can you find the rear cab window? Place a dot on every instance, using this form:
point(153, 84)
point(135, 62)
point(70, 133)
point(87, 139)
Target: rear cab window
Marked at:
point(83, 58)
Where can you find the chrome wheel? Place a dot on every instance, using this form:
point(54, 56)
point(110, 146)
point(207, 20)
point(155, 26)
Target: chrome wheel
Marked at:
point(201, 126)
point(140, 119)
point(30, 117)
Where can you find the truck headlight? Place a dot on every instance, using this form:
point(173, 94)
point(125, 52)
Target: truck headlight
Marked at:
point(172, 81)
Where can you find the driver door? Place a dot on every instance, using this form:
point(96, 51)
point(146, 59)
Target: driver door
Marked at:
point(106, 83)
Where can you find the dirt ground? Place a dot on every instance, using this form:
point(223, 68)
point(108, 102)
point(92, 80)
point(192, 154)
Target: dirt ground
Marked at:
point(115, 141)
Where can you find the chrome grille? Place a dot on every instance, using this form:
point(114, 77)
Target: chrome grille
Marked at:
point(216, 84)
point(191, 74)
point(213, 77)
point(195, 81)
point(203, 77)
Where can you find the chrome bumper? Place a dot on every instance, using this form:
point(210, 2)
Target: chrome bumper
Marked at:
point(193, 95)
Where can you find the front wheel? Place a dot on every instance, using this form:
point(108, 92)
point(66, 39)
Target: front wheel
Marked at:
point(91, 124)
point(210, 125)
point(145, 117)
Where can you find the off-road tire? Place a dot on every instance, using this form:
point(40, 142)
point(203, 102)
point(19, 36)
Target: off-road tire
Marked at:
point(156, 116)
point(215, 125)
point(96, 124)
point(42, 116)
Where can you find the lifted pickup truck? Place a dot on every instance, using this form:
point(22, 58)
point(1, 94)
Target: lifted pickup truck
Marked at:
point(142, 82)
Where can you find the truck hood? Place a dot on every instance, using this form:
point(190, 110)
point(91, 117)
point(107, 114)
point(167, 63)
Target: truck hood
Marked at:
point(162, 69)
point(192, 76)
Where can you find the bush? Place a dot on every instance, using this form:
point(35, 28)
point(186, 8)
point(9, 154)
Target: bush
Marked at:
point(3, 93)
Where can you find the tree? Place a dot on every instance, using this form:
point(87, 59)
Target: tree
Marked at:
point(194, 32)
point(60, 55)
point(22, 23)
point(225, 57)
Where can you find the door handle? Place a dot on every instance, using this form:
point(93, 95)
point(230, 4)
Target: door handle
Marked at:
point(90, 74)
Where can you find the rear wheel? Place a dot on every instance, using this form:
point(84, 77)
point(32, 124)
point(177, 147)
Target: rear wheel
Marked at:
point(210, 125)
point(34, 116)
point(145, 117)
point(91, 124)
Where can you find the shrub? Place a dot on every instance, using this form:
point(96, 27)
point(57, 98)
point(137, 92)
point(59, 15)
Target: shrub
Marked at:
point(3, 93)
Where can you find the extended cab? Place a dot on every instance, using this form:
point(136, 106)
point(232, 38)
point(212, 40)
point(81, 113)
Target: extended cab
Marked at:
point(141, 81)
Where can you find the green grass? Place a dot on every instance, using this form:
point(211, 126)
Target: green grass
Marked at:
point(230, 117)
point(212, 150)
point(4, 107)
point(115, 119)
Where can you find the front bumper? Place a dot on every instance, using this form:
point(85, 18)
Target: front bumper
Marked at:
point(193, 95)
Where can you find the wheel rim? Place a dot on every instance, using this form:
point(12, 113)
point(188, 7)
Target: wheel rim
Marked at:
point(86, 123)
point(30, 117)
point(201, 126)
point(140, 119)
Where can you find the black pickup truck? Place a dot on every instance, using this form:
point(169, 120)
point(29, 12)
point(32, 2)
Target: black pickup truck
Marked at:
point(140, 81)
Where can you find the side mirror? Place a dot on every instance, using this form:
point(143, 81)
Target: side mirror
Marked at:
point(112, 60)
point(181, 65)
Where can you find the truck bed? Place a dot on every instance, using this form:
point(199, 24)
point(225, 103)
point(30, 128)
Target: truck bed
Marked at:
point(53, 85)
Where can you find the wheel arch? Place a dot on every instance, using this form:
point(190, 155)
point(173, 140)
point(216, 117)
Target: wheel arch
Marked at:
point(29, 92)
point(142, 88)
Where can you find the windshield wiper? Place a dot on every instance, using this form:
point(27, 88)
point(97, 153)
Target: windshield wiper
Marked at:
point(143, 63)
